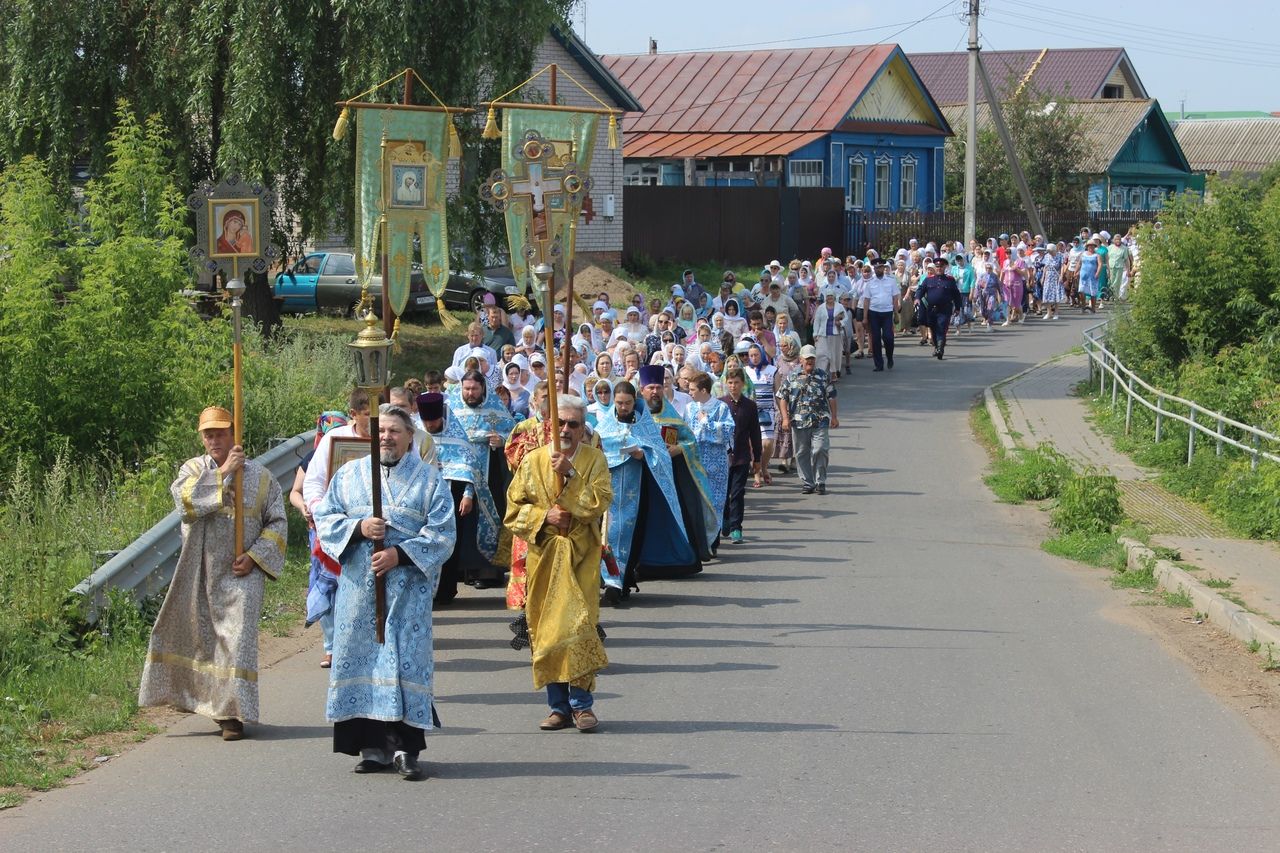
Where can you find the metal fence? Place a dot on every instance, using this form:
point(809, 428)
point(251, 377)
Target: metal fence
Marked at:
point(887, 231)
point(1213, 426)
point(736, 225)
point(146, 565)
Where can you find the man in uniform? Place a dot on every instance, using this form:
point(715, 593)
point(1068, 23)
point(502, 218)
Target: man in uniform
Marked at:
point(380, 694)
point(555, 504)
point(203, 654)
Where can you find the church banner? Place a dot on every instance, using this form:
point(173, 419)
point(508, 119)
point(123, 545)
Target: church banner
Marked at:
point(400, 180)
point(546, 160)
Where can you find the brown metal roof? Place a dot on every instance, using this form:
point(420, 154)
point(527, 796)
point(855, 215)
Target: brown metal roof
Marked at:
point(1246, 145)
point(715, 144)
point(1077, 72)
point(763, 91)
point(1108, 124)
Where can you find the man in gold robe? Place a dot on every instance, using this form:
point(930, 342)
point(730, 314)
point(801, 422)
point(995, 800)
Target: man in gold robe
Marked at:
point(555, 503)
point(203, 654)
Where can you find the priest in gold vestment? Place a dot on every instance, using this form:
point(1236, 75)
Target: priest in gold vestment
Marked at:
point(555, 503)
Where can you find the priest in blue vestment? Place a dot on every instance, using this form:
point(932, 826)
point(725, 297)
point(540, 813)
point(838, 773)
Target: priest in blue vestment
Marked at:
point(380, 694)
point(646, 531)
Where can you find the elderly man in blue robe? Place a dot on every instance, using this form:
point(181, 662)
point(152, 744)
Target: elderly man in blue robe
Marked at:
point(380, 694)
point(646, 532)
point(697, 506)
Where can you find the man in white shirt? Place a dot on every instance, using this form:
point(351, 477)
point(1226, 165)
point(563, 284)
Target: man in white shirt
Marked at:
point(880, 302)
point(316, 481)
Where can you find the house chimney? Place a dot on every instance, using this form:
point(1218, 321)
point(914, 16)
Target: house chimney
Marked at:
point(653, 46)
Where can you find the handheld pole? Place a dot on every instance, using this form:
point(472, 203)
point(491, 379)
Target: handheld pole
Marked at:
point(971, 135)
point(380, 581)
point(237, 406)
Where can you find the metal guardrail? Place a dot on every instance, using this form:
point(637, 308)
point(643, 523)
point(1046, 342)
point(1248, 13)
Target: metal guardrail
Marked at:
point(1223, 431)
point(146, 565)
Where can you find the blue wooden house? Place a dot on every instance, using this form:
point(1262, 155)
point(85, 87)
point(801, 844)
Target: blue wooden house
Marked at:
point(855, 118)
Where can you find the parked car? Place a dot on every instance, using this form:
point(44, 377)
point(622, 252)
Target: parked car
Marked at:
point(328, 281)
point(466, 290)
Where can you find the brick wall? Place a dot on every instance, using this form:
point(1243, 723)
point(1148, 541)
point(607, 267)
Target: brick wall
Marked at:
point(602, 236)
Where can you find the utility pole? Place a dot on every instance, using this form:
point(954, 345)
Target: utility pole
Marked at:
point(997, 118)
point(971, 135)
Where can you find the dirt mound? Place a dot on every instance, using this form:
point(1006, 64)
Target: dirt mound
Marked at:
point(591, 280)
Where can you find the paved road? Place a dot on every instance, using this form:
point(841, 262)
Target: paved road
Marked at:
point(847, 681)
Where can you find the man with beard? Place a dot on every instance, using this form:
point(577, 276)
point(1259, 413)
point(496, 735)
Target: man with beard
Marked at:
point(646, 530)
point(555, 504)
point(697, 506)
point(456, 460)
point(487, 424)
point(380, 696)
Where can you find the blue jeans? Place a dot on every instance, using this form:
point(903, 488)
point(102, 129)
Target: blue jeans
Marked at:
point(564, 698)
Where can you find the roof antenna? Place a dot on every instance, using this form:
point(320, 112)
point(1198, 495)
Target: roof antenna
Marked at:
point(653, 46)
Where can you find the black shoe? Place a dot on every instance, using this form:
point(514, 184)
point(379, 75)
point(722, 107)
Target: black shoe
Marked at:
point(877, 369)
point(612, 595)
point(822, 488)
point(806, 490)
point(889, 362)
point(408, 767)
point(371, 766)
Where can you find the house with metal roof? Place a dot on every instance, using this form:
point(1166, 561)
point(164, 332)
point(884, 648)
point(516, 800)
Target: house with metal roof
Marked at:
point(856, 118)
point(1080, 73)
point(1132, 161)
point(1235, 146)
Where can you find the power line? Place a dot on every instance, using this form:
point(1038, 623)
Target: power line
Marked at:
point(931, 17)
point(1179, 53)
point(809, 74)
point(1196, 38)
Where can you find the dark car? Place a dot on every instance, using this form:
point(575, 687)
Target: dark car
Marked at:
point(466, 290)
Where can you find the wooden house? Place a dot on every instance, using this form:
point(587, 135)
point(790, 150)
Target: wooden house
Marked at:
point(856, 118)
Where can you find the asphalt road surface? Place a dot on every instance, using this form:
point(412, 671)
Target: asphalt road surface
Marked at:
point(894, 666)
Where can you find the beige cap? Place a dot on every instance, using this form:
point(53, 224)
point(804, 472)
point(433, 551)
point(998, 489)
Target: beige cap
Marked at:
point(215, 417)
point(808, 351)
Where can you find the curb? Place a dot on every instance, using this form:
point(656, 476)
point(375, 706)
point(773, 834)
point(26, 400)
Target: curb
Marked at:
point(1235, 620)
point(997, 419)
point(993, 408)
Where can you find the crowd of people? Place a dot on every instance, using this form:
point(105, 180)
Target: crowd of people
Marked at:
point(668, 413)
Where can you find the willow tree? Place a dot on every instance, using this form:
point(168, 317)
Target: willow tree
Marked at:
point(249, 86)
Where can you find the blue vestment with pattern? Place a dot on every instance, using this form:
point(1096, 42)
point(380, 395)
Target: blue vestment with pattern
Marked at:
point(665, 542)
point(392, 680)
point(670, 419)
point(714, 436)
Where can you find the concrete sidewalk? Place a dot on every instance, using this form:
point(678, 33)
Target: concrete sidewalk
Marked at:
point(1040, 406)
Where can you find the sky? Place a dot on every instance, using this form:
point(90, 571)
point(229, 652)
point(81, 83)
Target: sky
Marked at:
point(1223, 55)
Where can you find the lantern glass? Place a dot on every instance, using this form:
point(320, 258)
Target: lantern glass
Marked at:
point(372, 352)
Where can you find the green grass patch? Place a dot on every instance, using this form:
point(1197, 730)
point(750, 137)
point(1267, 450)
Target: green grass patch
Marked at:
point(1176, 599)
point(1029, 475)
point(1142, 578)
point(1088, 502)
point(984, 430)
point(1217, 583)
point(1092, 548)
point(421, 346)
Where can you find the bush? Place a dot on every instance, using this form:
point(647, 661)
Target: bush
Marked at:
point(1249, 501)
point(1029, 475)
point(1088, 503)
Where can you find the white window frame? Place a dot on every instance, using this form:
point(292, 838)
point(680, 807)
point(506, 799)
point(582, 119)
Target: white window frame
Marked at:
point(886, 162)
point(810, 176)
point(908, 201)
point(858, 200)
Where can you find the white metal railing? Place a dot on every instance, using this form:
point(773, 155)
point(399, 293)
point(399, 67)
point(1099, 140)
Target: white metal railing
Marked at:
point(145, 566)
point(1222, 430)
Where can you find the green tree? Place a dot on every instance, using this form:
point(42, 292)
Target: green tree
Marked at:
point(1049, 137)
point(250, 85)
